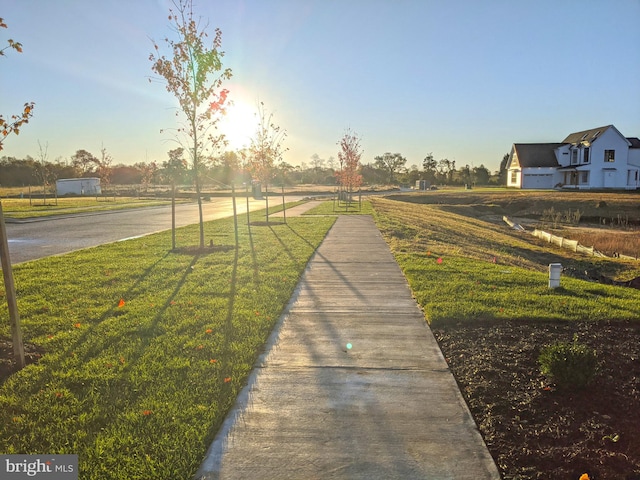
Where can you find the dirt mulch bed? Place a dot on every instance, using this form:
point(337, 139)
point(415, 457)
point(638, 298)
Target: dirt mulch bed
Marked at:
point(7, 362)
point(532, 429)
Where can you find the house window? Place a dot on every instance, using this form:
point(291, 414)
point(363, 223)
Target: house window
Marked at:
point(574, 157)
point(609, 155)
point(585, 155)
point(514, 176)
point(584, 178)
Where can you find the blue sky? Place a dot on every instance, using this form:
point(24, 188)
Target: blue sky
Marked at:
point(461, 79)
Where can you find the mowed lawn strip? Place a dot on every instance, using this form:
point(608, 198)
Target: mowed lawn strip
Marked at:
point(146, 350)
point(331, 207)
point(20, 208)
point(466, 269)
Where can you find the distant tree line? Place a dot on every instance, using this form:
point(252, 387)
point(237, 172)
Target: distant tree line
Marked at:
point(230, 167)
point(15, 172)
point(391, 169)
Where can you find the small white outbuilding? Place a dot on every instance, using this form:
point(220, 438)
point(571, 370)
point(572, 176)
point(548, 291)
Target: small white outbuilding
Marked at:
point(78, 186)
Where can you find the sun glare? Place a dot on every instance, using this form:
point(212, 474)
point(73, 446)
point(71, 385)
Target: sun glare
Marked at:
point(239, 124)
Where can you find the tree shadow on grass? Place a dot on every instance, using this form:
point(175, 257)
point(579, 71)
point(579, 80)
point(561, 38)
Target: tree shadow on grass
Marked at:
point(34, 352)
point(263, 223)
point(227, 335)
point(285, 246)
point(146, 334)
point(117, 311)
point(304, 239)
point(88, 383)
point(196, 250)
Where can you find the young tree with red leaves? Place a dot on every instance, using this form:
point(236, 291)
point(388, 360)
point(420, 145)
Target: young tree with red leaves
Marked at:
point(348, 174)
point(194, 75)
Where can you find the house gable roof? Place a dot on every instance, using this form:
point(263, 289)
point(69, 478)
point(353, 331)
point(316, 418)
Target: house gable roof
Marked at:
point(587, 137)
point(533, 155)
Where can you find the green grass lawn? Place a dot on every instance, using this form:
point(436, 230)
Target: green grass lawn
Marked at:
point(146, 350)
point(24, 208)
point(462, 268)
point(463, 289)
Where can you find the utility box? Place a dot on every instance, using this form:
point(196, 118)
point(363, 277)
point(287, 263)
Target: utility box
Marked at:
point(256, 190)
point(422, 185)
point(555, 269)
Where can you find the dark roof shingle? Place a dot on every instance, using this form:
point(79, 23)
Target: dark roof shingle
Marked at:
point(531, 155)
point(635, 142)
point(586, 136)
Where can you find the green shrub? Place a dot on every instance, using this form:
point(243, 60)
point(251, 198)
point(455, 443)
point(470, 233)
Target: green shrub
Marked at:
point(570, 364)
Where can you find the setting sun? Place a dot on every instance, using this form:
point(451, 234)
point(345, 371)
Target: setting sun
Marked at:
point(239, 124)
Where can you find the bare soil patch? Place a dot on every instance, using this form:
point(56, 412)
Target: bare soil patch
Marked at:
point(7, 361)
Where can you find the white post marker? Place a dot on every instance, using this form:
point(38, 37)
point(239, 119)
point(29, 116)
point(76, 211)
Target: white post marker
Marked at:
point(555, 269)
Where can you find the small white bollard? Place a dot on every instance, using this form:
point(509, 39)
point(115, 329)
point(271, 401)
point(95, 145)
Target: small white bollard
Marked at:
point(555, 269)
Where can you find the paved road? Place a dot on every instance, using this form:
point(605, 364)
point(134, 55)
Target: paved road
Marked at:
point(56, 235)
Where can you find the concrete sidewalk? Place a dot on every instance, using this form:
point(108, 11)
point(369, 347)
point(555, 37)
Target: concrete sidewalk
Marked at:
point(352, 384)
point(298, 209)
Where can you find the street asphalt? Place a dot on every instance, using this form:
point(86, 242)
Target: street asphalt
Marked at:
point(352, 384)
point(34, 238)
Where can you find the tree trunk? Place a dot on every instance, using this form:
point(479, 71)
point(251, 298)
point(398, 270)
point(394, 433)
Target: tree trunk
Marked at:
point(200, 217)
point(235, 213)
point(196, 174)
point(266, 197)
point(246, 191)
point(10, 292)
point(173, 215)
point(284, 205)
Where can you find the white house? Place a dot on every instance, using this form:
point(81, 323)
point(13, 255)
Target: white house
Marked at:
point(78, 186)
point(592, 159)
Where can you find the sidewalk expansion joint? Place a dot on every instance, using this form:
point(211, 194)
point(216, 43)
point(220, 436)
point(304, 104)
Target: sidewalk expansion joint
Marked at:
point(350, 367)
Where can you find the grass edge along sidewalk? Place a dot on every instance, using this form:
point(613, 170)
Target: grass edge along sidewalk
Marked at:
point(483, 287)
point(464, 269)
point(146, 350)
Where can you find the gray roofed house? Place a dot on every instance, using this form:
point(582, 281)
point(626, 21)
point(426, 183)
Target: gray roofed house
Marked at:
point(589, 159)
